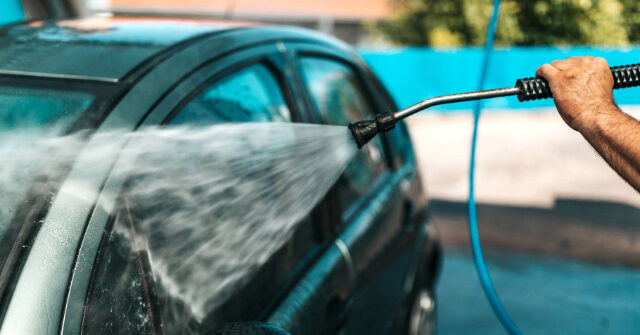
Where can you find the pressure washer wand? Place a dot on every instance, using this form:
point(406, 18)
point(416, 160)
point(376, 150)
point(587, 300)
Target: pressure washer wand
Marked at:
point(526, 89)
point(451, 98)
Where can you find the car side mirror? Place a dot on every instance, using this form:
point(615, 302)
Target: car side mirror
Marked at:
point(249, 328)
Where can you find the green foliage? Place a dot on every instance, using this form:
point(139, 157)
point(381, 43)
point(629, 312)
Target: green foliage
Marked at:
point(522, 22)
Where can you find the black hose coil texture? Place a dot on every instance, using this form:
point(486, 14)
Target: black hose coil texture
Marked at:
point(535, 88)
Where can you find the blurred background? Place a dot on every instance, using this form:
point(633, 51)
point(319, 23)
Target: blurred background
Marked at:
point(561, 230)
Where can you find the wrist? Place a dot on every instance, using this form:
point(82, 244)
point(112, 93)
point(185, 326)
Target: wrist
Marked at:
point(596, 119)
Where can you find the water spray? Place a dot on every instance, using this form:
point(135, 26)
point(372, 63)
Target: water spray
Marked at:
point(526, 89)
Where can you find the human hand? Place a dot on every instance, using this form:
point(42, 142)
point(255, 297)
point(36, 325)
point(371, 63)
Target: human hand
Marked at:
point(582, 90)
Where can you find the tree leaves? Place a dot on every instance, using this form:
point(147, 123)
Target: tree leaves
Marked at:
point(534, 22)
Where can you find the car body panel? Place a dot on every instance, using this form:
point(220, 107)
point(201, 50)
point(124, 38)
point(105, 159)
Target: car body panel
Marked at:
point(308, 298)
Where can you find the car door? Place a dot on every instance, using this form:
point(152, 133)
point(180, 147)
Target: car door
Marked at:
point(131, 288)
point(372, 191)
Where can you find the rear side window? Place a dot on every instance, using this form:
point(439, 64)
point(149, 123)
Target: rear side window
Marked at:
point(163, 279)
point(29, 117)
point(339, 99)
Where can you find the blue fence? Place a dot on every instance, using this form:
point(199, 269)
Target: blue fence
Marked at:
point(413, 74)
point(10, 11)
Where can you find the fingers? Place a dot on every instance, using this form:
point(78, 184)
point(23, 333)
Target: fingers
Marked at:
point(578, 84)
point(547, 71)
point(573, 62)
point(563, 64)
point(601, 61)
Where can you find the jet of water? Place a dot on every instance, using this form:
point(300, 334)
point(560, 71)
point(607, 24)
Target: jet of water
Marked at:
point(211, 204)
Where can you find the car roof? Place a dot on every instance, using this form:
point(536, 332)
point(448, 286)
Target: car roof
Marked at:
point(108, 48)
point(98, 48)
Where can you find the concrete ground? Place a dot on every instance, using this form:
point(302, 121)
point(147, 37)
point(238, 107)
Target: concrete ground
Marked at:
point(524, 158)
point(561, 229)
point(542, 295)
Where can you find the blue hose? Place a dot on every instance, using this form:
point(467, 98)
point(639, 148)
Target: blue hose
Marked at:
point(478, 258)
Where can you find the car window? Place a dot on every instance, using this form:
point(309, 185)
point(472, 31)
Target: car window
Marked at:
point(30, 121)
point(251, 95)
point(142, 285)
point(29, 117)
point(339, 98)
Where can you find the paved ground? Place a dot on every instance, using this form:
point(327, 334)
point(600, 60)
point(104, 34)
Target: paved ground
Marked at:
point(540, 187)
point(524, 158)
point(543, 295)
point(557, 222)
point(595, 231)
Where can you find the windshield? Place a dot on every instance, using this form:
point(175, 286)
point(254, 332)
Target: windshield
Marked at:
point(30, 120)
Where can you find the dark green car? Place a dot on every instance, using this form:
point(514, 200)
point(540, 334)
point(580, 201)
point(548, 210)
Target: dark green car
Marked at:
point(365, 261)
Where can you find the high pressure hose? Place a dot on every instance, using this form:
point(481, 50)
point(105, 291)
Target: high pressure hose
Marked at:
point(478, 258)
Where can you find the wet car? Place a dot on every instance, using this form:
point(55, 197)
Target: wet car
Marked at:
point(364, 261)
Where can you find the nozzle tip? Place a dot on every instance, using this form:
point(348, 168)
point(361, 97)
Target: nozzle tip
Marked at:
point(364, 131)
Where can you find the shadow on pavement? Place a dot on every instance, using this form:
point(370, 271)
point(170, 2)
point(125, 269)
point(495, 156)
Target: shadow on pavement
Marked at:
point(595, 231)
point(543, 295)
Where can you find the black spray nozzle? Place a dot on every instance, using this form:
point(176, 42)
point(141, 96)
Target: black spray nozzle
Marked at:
point(364, 131)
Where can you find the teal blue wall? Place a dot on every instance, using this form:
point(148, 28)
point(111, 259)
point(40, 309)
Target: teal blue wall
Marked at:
point(10, 11)
point(413, 74)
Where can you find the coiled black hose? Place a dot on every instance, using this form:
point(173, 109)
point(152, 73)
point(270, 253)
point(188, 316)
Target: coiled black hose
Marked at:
point(535, 88)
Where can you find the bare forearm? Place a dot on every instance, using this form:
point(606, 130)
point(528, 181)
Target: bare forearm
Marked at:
point(616, 137)
point(582, 90)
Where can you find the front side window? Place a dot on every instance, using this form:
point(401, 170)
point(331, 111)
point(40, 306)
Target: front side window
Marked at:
point(162, 268)
point(339, 98)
